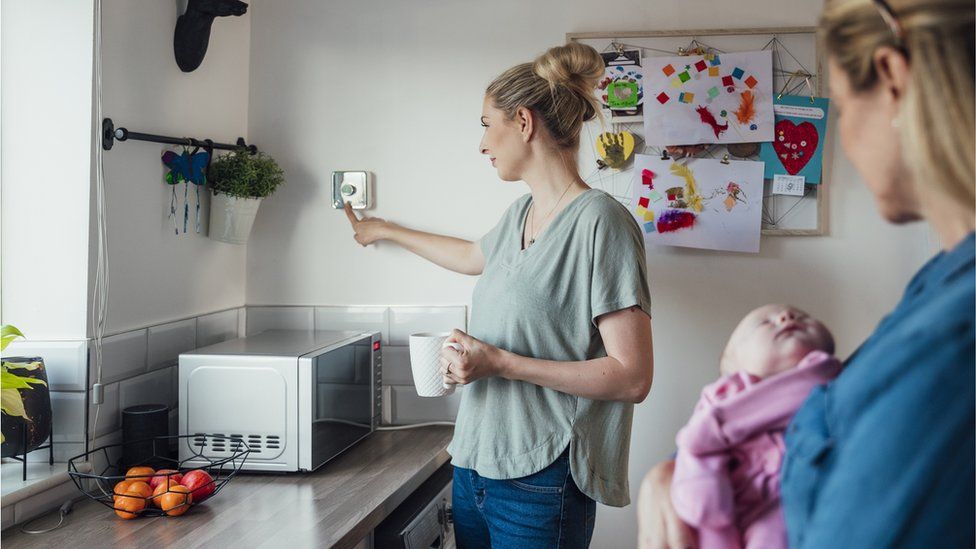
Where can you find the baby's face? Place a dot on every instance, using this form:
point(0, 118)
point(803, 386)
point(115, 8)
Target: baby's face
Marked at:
point(772, 339)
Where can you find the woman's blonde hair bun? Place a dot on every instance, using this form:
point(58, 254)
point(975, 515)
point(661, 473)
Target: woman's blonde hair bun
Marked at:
point(572, 65)
point(559, 87)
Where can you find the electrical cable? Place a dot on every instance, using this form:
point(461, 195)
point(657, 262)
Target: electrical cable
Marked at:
point(414, 425)
point(100, 293)
point(63, 512)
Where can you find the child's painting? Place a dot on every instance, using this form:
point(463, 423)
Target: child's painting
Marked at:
point(711, 98)
point(703, 203)
point(621, 91)
point(797, 146)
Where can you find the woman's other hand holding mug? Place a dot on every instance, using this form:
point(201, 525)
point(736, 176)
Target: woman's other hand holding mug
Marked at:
point(475, 359)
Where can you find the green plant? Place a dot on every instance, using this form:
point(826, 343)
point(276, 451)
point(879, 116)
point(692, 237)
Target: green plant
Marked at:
point(11, 402)
point(245, 175)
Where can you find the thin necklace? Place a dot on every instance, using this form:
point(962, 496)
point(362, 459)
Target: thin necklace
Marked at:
point(532, 213)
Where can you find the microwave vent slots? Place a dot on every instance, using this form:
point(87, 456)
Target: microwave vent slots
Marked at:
point(233, 443)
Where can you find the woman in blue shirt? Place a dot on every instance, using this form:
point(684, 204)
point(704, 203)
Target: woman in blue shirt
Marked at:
point(884, 455)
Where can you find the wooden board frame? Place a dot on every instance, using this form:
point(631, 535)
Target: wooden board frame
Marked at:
point(691, 34)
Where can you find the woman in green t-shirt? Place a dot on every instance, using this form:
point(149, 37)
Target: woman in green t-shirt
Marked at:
point(559, 343)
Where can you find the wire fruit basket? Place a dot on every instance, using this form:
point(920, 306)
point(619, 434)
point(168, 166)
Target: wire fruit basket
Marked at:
point(166, 495)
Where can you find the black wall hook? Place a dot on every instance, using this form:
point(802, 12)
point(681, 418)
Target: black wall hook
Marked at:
point(192, 35)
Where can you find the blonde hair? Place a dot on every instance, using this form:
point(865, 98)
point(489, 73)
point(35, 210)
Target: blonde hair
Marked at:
point(558, 87)
point(937, 126)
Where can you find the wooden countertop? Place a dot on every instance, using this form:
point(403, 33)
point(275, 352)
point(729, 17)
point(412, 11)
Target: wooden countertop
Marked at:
point(338, 505)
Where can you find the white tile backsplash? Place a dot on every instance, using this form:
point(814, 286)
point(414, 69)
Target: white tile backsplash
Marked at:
point(260, 319)
point(99, 461)
point(63, 451)
point(68, 412)
point(123, 356)
point(151, 388)
point(217, 327)
point(396, 365)
point(408, 320)
point(410, 408)
point(167, 341)
point(109, 413)
point(364, 319)
point(64, 361)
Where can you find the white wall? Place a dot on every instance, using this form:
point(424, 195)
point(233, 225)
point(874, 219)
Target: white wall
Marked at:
point(155, 275)
point(45, 139)
point(396, 88)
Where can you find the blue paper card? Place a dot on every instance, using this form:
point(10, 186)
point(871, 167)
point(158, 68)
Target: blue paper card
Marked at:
point(798, 137)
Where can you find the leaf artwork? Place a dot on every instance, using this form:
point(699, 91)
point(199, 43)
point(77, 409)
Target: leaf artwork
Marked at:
point(691, 196)
point(747, 107)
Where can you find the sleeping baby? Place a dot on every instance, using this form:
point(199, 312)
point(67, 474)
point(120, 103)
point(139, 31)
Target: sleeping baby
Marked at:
point(726, 476)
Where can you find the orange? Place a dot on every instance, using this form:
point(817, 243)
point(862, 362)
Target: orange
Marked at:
point(157, 494)
point(121, 488)
point(141, 473)
point(126, 506)
point(140, 488)
point(176, 500)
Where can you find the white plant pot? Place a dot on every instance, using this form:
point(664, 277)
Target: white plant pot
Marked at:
point(231, 217)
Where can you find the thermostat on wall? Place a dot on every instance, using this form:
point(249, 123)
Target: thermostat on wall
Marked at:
point(352, 187)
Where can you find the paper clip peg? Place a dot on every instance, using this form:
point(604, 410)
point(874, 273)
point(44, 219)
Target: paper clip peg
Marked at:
point(725, 159)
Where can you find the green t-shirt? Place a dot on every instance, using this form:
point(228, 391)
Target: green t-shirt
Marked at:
point(541, 302)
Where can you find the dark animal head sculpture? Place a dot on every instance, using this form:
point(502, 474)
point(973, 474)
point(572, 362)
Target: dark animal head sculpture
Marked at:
point(193, 29)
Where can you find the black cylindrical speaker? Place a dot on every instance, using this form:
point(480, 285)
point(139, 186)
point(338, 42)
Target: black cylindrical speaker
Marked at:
point(140, 424)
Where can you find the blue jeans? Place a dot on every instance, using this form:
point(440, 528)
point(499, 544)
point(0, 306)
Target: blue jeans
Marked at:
point(543, 510)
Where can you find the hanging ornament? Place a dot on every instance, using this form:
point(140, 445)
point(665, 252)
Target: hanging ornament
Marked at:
point(186, 168)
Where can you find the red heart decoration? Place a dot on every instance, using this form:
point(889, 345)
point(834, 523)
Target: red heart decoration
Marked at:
point(795, 145)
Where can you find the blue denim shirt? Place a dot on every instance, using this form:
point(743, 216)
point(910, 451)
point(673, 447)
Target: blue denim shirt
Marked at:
point(884, 455)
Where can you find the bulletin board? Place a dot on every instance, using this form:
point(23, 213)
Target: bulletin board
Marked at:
point(798, 69)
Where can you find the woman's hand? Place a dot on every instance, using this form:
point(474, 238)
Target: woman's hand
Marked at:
point(658, 526)
point(475, 360)
point(368, 229)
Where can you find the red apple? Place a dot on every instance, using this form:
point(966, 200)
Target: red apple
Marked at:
point(161, 475)
point(200, 483)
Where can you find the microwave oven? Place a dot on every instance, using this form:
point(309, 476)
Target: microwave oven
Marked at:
point(297, 398)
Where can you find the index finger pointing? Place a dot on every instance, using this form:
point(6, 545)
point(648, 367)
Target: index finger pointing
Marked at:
point(347, 207)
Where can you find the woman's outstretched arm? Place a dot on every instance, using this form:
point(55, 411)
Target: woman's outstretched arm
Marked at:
point(460, 256)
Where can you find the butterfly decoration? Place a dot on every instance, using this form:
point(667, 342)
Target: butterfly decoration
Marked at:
point(186, 167)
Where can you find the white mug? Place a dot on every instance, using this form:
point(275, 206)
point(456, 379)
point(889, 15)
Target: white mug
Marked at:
point(425, 352)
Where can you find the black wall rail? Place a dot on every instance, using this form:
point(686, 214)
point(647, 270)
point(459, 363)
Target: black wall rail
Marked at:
point(111, 134)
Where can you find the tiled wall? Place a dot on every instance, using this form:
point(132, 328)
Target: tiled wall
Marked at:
point(140, 366)
point(401, 403)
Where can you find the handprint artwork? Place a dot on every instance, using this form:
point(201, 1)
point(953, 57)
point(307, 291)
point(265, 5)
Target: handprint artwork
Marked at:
point(615, 149)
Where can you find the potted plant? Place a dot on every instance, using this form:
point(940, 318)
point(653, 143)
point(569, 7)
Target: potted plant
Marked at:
point(26, 416)
point(238, 181)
